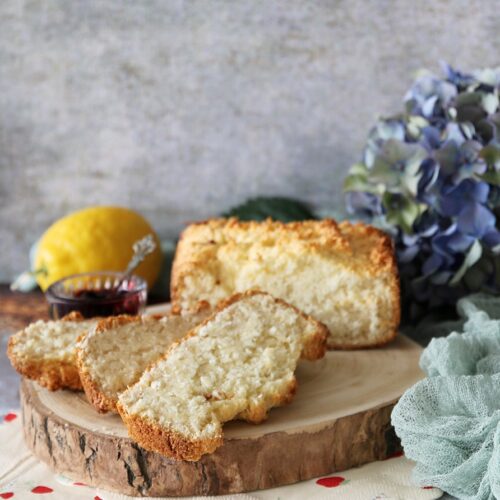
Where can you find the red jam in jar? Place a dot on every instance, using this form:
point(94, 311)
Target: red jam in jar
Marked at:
point(97, 294)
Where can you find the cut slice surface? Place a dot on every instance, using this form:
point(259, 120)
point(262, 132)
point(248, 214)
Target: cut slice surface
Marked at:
point(118, 350)
point(45, 351)
point(237, 364)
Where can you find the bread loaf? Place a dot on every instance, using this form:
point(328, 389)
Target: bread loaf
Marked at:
point(116, 352)
point(45, 351)
point(343, 275)
point(237, 364)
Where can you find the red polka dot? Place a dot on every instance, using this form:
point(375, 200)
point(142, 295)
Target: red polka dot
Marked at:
point(330, 482)
point(427, 487)
point(97, 498)
point(41, 490)
point(9, 417)
point(7, 494)
point(79, 484)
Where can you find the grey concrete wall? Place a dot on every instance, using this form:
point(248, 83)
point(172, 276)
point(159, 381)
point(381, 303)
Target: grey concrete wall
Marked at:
point(182, 109)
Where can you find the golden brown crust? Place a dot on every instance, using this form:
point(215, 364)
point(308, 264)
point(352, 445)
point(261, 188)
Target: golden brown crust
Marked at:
point(323, 236)
point(92, 389)
point(49, 374)
point(95, 397)
point(165, 441)
point(199, 307)
point(116, 321)
point(73, 316)
point(173, 445)
point(382, 254)
point(256, 414)
point(53, 375)
point(169, 443)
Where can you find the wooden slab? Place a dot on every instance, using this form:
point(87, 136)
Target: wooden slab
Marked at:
point(340, 418)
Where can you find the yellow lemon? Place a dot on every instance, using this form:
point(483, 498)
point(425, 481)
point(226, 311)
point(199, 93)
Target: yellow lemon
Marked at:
point(94, 239)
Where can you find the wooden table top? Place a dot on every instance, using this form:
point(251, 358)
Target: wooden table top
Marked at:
point(18, 309)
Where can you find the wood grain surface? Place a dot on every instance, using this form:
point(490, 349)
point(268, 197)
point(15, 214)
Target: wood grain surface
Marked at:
point(340, 418)
point(19, 309)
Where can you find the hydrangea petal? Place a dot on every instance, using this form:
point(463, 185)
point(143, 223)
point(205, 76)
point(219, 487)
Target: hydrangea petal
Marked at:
point(490, 102)
point(481, 191)
point(428, 106)
point(390, 129)
point(441, 278)
point(448, 156)
point(471, 257)
point(429, 173)
point(489, 76)
point(439, 157)
point(455, 199)
point(450, 205)
point(456, 242)
point(456, 77)
point(454, 133)
point(431, 137)
point(492, 239)
point(366, 203)
point(408, 253)
point(427, 224)
point(475, 220)
point(432, 264)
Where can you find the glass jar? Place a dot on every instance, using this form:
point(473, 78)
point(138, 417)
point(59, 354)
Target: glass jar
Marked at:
point(97, 294)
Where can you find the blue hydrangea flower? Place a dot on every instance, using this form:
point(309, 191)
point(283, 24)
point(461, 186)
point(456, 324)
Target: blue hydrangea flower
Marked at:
point(431, 177)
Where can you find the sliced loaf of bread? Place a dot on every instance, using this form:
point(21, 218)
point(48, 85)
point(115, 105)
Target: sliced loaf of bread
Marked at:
point(118, 350)
point(45, 351)
point(237, 364)
point(344, 275)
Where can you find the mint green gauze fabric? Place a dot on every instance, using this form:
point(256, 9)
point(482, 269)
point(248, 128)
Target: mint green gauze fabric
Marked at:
point(449, 423)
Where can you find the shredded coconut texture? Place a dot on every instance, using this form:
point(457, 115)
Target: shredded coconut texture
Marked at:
point(116, 353)
point(237, 364)
point(50, 340)
point(343, 275)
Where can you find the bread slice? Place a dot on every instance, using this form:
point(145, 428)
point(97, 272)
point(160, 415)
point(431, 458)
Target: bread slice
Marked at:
point(344, 275)
point(45, 351)
point(118, 350)
point(237, 364)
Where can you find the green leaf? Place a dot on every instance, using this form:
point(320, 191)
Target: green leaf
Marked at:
point(277, 208)
point(473, 255)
